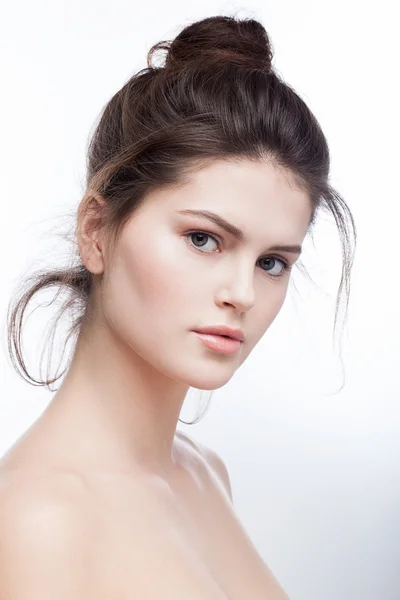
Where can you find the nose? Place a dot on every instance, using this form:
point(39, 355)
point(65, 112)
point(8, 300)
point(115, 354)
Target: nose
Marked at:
point(239, 292)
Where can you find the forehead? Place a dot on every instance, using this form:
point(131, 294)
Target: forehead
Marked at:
point(255, 195)
point(248, 180)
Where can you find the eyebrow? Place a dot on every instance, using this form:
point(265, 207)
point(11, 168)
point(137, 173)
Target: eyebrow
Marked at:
point(235, 231)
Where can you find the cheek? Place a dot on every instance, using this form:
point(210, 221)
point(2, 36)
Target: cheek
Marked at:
point(264, 313)
point(158, 280)
point(276, 299)
point(147, 289)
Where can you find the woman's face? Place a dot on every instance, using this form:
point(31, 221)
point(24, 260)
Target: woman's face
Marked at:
point(166, 280)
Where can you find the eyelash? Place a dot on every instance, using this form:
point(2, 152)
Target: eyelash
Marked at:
point(286, 266)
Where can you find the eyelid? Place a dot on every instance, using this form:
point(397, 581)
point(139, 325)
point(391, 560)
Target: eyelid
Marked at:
point(209, 233)
point(286, 261)
point(287, 266)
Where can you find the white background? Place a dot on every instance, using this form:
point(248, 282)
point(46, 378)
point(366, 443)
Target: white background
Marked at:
point(312, 448)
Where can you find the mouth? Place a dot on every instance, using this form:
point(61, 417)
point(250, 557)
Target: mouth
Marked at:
point(220, 343)
point(222, 331)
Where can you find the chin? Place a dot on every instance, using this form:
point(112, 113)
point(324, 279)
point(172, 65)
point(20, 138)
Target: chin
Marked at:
point(212, 379)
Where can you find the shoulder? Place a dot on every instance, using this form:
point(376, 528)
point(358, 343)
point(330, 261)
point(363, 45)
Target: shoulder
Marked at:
point(43, 535)
point(37, 507)
point(214, 462)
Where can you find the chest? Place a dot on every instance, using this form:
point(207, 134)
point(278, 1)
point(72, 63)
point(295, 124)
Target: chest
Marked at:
point(185, 541)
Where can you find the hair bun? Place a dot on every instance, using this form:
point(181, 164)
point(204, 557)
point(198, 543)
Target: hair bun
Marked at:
point(243, 42)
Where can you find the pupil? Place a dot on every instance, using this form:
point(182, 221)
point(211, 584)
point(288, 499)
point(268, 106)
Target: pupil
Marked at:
point(267, 260)
point(201, 236)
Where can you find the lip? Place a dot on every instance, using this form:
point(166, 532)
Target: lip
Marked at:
point(236, 334)
point(219, 343)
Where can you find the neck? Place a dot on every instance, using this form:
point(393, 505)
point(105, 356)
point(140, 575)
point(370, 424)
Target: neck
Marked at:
point(114, 409)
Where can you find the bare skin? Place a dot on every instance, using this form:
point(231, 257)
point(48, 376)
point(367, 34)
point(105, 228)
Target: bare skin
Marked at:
point(192, 544)
point(102, 493)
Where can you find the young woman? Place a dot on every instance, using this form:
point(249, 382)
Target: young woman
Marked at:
point(204, 177)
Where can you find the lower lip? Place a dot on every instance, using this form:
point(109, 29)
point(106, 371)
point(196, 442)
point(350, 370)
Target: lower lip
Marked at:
point(219, 343)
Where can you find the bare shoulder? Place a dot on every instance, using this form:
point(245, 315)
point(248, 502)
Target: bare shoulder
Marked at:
point(44, 537)
point(25, 512)
point(213, 460)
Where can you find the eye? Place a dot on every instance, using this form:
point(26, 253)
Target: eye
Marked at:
point(201, 240)
point(267, 259)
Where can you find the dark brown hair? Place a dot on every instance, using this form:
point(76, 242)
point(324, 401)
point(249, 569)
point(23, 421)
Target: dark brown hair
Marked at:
point(217, 96)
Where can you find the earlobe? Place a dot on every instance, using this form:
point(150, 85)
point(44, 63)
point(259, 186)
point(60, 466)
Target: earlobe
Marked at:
point(92, 256)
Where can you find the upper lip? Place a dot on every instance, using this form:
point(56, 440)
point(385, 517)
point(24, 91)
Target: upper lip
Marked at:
point(236, 334)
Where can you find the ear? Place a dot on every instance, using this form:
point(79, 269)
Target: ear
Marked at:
point(91, 212)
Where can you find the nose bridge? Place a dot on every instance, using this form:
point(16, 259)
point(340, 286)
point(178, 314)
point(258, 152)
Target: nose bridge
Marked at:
point(238, 286)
